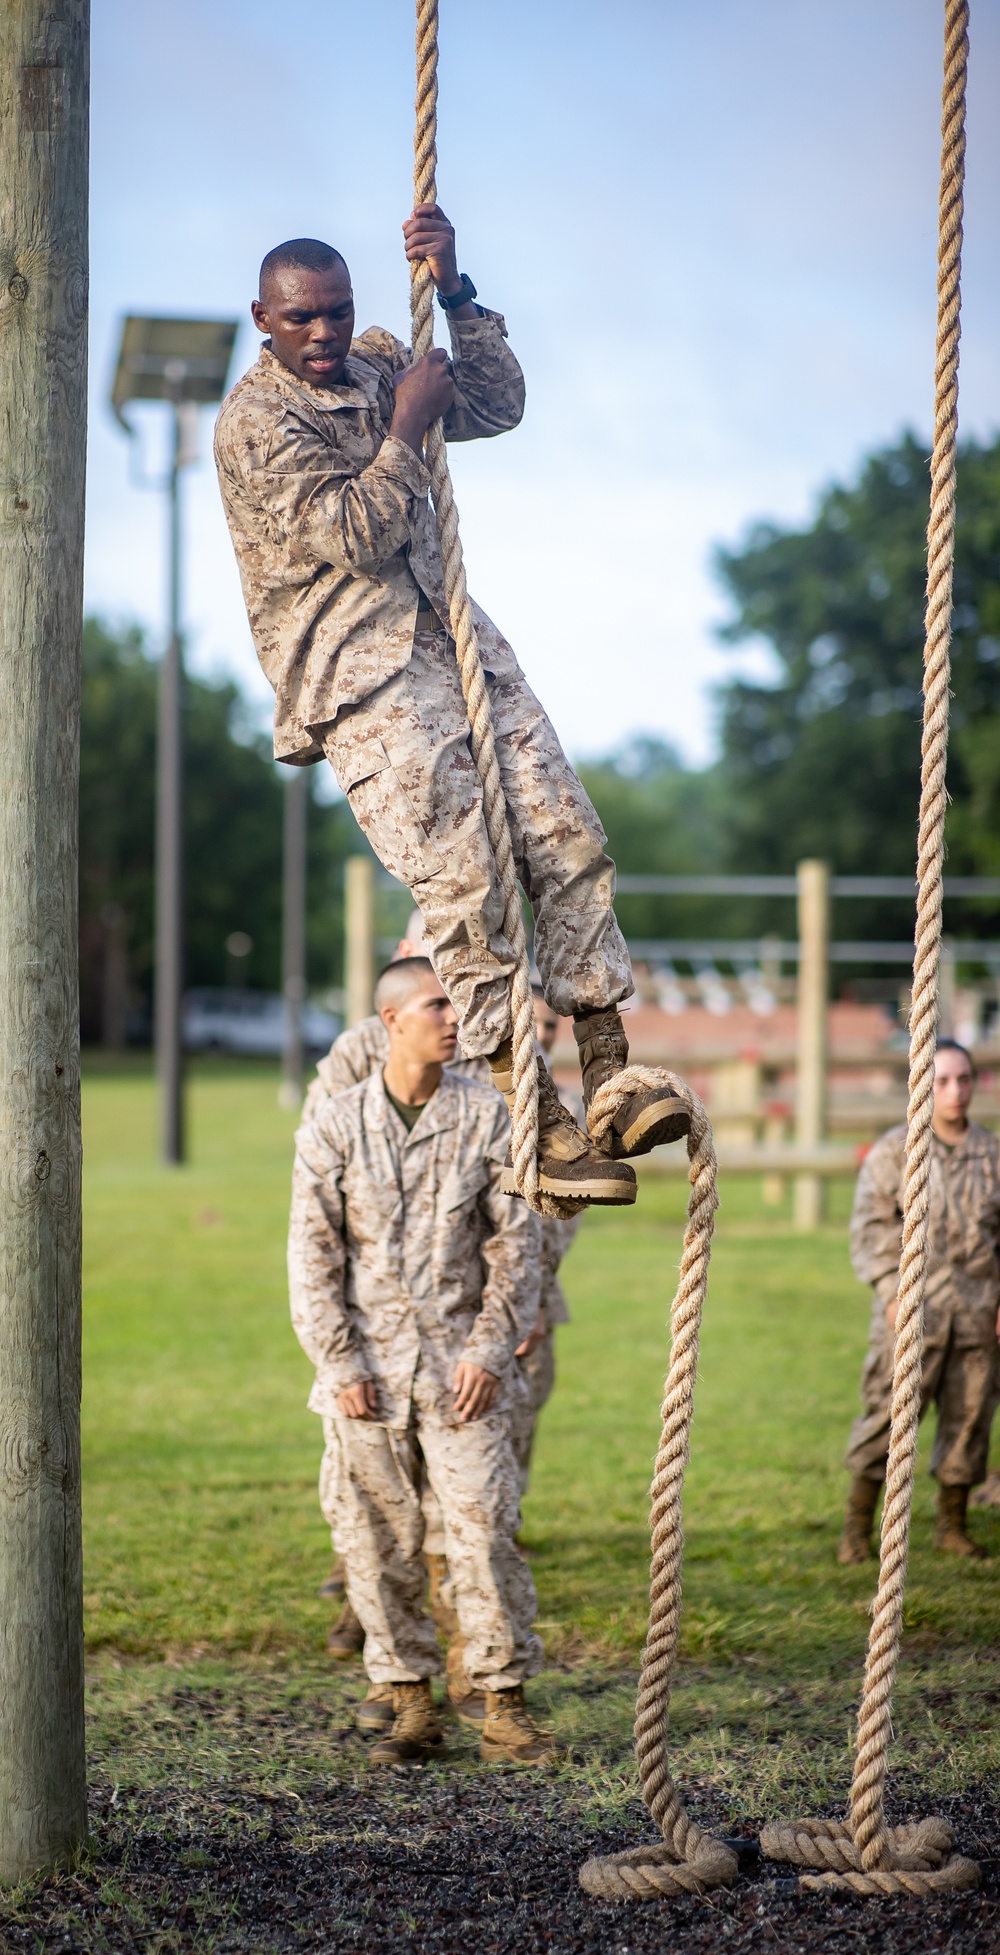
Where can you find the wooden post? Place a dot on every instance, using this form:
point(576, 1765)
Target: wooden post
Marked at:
point(43, 377)
point(946, 989)
point(293, 935)
point(810, 1085)
point(359, 936)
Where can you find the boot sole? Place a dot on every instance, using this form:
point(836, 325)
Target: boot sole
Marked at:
point(657, 1125)
point(492, 1754)
point(418, 1756)
point(610, 1194)
point(374, 1724)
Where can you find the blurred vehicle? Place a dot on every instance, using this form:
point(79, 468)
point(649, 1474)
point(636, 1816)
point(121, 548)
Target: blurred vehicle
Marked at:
point(218, 1018)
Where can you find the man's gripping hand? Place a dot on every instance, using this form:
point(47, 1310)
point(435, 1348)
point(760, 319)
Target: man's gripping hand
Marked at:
point(429, 235)
point(358, 1401)
point(424, 392)
point(475, 1391)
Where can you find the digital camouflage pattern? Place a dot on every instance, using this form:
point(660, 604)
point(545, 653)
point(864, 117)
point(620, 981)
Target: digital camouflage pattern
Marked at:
point(403, 759)
point(354, 1056)
point(960, 1366)
point(383, 1476)
point(403, 1251)
point(403, 1259)
point(330, 520)
point(336, 542)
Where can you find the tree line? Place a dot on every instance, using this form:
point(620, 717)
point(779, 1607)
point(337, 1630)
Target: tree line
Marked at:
point(822, 759)
point(233, 815)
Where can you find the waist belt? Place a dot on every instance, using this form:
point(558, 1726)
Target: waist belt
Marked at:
point(427, 620)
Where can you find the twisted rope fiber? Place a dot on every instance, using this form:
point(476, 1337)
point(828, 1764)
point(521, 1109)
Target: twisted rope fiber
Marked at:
point(867, 1857)
point(524, 1123)
point(689, 1861)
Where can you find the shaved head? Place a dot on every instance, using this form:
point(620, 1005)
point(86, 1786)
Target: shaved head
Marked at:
point(400, 980)
point(298, 255)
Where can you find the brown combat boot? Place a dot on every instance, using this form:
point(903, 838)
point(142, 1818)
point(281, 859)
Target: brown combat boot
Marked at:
point(856, 1540)
point(375, 1712)
point(416, 1730)
point(988, 1495)
point(346, 1638)
point(334, 1587)
point(568, 1161)
point(468, 1703)
point(443, 1612)
point(510, 1734)
point(649, 1118)
point(951, 1535)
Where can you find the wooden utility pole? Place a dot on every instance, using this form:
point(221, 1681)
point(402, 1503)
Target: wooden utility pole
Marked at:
point(359, 936)
point(43, 374)
point(810, 1084)
point(293, 935)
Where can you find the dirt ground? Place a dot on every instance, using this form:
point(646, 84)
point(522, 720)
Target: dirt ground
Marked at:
point(445, 1861)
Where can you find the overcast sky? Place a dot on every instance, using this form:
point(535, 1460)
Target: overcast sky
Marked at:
point(712, 232)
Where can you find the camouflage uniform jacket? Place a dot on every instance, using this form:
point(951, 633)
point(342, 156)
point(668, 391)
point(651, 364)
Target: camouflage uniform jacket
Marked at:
point(402, 1250)
point(963, 1270)
point(363, 1049)
point(330, 519)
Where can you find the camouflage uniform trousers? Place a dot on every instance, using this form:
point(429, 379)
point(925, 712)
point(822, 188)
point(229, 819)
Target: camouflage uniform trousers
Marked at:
point(959, 1378)
point(331, 1494)
point(402, 757)
point(381, 1525)
point(539, 1373)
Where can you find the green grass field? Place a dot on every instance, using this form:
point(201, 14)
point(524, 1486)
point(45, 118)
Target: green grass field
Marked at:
point(204, 1543)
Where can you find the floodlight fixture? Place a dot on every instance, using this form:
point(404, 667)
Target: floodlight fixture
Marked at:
point(178, 360)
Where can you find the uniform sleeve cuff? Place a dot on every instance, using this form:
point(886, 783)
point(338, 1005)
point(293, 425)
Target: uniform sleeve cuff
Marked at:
point(397, 458)
point(467, 330)
point(488, 1355)
point(329, 1384)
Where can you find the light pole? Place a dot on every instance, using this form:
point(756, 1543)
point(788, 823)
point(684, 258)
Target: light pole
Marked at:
point(185, 362)
point(293, 935)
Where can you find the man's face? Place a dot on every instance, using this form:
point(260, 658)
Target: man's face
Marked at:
point(546, 1024)
point(310, 318)
point(953, 1084)
point(424, 1030)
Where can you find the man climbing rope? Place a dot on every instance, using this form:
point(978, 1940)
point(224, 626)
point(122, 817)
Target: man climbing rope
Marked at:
point(412, 1283)
point(961, 1307)
point(319, 450)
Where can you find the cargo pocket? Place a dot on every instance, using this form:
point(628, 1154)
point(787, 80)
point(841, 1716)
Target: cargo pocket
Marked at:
point(384, 812)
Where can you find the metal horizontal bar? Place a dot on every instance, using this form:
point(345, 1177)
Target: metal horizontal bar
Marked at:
point(787, 886)
point(763, 1160)
point(742, 950)
point(706, 886)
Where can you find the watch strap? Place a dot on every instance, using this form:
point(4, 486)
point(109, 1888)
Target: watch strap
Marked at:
point(466, 291)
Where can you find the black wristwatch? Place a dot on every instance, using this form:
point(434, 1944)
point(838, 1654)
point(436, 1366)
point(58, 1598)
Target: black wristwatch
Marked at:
point(466, 291)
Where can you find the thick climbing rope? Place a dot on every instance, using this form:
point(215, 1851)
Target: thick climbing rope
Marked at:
point(866, 1856)
point(687, 1860)
point(524, 1122)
